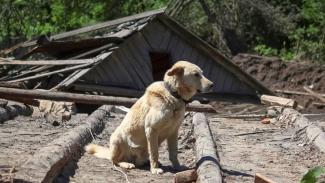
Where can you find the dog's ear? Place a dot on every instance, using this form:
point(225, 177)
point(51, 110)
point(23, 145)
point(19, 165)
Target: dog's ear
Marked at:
point(175, 71)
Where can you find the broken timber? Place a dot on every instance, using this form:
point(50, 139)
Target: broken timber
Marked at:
point(273, 100)
point(47, 163)
point(85, 99)
point(208, 164)
point(46, 62)
point(185, 176)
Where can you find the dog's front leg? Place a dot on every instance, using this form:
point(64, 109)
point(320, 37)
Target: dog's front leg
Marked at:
point(152, 139)
point(173, 149)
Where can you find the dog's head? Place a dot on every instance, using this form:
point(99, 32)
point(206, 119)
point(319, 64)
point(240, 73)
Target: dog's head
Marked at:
point(187, 79)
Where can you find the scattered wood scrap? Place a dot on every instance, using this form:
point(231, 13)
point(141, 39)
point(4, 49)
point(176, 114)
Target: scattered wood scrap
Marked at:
point(273, 100)
point(259, 178)
point(186, 176)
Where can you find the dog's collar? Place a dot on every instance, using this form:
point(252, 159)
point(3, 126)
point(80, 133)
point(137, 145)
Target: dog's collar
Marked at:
point(175, 93)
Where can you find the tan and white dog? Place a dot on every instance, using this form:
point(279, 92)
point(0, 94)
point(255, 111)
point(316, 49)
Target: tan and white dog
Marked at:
point(155, 117)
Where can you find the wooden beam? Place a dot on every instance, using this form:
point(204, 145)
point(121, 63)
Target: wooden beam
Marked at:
point(296, 92)
point(85, 99)
point(96, 59)
point(47, 162)
point(46, 62)
point(314, 94)
point(108, 90)
point(208, 163)
point(50, 73)
point(273, 100)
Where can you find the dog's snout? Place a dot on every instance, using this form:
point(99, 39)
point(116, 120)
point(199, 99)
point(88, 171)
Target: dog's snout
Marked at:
point(211, 85)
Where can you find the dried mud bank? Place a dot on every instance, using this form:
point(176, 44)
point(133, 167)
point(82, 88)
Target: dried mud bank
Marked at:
point(292, 76)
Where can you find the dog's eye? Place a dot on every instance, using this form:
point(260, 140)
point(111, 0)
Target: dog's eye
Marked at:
point(197, 75)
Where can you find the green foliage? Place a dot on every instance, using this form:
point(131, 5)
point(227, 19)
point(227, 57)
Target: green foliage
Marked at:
point(23, 19)
point(312, 175)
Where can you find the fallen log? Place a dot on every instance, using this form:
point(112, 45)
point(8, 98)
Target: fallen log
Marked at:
point(273, 100)
point(12, 110)
point(47, 163)
point(208, 164)
point(85, 99)
point(186, 176)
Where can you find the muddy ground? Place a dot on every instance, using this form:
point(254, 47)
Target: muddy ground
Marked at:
point(279, 75)
point(92, 169)
point(247, 147)
point(22, 136)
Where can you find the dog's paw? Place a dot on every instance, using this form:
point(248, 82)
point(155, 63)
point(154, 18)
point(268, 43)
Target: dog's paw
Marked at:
point(156, 171)
point(126, 165)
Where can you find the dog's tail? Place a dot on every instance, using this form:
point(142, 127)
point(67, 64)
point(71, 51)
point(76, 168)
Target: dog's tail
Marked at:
point(98, 151)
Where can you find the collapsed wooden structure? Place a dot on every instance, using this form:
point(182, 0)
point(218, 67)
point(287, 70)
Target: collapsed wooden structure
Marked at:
point(121, 58)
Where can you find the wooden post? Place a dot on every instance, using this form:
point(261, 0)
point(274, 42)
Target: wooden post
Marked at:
point(83, 98)
point(47, 163)
point(208, 164)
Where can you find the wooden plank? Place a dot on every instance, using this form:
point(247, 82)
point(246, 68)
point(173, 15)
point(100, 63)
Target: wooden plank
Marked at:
point(229, 81)
point(178, 50)
point(50, 73)
point(36, 70)
point(125, 78)
point(93, 51)
point(221, 77)
point(46, 163)
point(136, 64)
point(166, 39)
point(273, 100)
point(314, 94)
point(140, 50)
point(259, 178)
point(296, 92)
point(130, 68)
point(213, 53)
point(109, 90)
point(153, 33)
point(208, 163)
point(96, 59)
point(46, 62)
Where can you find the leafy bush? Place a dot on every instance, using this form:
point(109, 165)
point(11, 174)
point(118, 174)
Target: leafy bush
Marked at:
point(312, 175)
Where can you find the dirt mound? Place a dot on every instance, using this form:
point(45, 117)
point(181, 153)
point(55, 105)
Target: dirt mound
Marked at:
point(279, 75)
